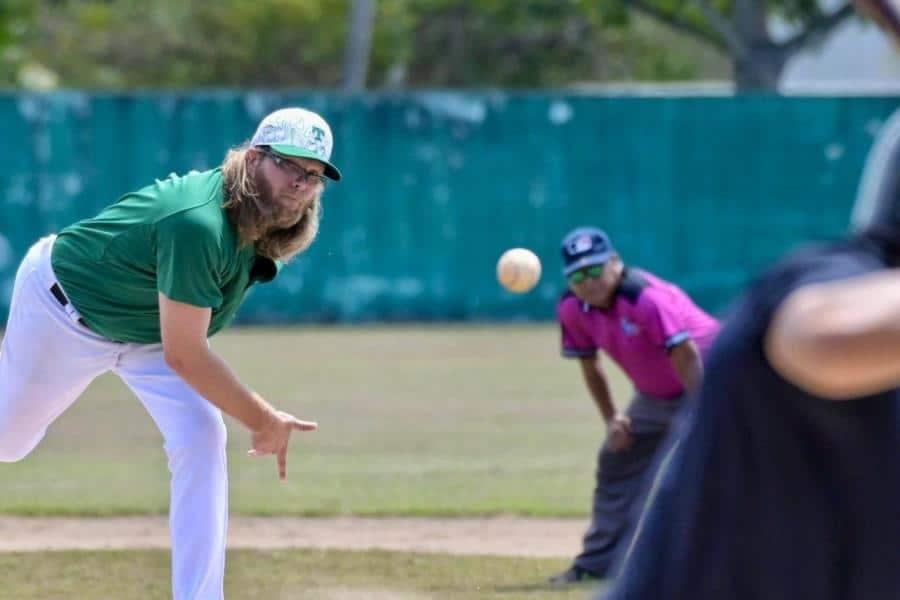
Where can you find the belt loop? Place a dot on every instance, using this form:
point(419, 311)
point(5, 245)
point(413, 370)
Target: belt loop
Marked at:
point(58, 294)
point(70, 310)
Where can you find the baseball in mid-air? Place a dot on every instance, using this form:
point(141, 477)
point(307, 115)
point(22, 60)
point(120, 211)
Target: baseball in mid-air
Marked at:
point(518, 270)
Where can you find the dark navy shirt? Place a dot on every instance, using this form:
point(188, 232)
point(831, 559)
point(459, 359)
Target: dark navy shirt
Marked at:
point(771, 493)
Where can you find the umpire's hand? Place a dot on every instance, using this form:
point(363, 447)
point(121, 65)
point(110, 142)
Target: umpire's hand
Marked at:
point(618, 433)
point(273, 438)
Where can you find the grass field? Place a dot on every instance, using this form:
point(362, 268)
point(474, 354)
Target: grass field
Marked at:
point(414, 420)
point(284, 575)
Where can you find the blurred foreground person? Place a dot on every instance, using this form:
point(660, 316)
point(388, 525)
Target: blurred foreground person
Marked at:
point(138, 289)
point(657, 335)
point(785, 481)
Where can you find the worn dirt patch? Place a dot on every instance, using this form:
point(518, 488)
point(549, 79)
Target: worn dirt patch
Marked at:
point(500, 536)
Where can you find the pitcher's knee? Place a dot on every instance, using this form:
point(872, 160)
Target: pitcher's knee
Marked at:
point(15, 440)
point(212, 436)
point(202, 438)
point(13, 449)
point(19, 433)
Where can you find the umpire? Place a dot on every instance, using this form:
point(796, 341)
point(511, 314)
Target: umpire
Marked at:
point(657, 335)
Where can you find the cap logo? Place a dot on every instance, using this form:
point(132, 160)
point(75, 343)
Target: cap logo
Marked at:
point(316, 140)
point(582, 243)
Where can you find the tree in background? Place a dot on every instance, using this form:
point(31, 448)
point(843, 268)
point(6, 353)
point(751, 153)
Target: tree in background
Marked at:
point(884, 12)
point(523, 43)
point(15, 66)
point(740, 29)
point(126, 44)
point(359, 44)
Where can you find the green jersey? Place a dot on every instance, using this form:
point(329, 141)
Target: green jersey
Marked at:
point(172, 237)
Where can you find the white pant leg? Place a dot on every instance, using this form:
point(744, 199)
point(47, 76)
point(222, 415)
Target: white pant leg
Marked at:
point(47, 359)
point(195, 439)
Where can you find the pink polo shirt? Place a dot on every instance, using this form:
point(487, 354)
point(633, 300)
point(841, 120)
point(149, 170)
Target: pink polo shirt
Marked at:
point(648, 318)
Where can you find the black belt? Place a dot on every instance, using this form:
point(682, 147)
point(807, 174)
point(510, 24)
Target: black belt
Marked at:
point(61, 298)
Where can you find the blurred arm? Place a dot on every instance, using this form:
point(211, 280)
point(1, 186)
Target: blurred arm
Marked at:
point(598, 387)
point(839, 340)
point(685, 359)
point(618, 426)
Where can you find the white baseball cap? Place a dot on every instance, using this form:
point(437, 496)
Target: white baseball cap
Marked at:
point(298, 132)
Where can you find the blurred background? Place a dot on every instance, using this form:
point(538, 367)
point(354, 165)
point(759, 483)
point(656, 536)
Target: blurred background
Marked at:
point(706, 137)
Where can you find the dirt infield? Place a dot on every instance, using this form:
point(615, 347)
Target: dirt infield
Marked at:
point(500, 536)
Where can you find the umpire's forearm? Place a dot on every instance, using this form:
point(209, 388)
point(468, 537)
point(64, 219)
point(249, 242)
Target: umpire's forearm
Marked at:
point(688, 364)
point(598, 388)
point(604, 405)
point(213, 379)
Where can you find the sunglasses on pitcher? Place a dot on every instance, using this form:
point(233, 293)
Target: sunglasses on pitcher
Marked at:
point(293, 169)
point(580, 275)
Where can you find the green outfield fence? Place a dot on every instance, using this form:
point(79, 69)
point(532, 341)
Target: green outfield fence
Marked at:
point(702, 190)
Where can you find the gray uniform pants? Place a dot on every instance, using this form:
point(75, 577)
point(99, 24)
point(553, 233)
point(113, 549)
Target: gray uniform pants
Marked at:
point(621, 481)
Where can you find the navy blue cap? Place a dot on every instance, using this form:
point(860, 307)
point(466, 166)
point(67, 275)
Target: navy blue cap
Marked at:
point(584, 247)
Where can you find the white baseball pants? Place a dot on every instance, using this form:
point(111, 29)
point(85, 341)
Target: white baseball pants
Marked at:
point(48, 358)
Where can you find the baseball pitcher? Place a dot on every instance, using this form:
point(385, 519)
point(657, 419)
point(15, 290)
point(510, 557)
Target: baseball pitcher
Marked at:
point(138, 290)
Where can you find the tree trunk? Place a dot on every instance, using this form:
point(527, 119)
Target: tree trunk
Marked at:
point(359, 45)
point(757, 62)
point(759, 70)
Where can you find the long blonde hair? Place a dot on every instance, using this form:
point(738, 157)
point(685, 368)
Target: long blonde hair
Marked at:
point(256, 226)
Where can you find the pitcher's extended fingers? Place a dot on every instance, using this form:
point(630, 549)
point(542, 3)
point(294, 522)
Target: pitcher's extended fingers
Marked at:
point(282, 463)
point(305, 425)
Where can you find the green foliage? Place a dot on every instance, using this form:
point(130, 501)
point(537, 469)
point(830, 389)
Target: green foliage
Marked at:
point(272, 43)
point(185, 43)
point(126, 44)
point(798, 12)
point(687, 12)
point(15, 21)
point(529, 43)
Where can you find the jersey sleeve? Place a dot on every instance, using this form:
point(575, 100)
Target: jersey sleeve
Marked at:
point(576, 342)
point(188, 260)
point(664, 320)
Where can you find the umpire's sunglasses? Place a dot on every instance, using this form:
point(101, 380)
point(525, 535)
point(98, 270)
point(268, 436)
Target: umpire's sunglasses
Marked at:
point(580, 275)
